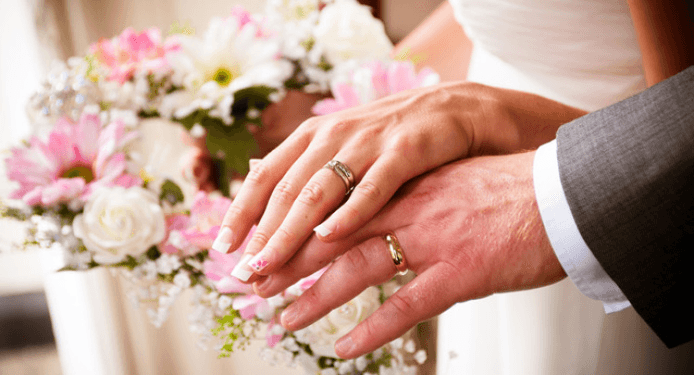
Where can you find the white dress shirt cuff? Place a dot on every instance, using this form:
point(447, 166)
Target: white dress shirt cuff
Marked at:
point(574, 255)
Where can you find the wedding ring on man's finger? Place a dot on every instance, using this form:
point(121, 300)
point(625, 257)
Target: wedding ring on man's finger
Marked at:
point(343, 172)
point(395, 251)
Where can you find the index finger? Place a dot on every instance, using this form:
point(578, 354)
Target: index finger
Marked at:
point(249, 204)
point(428, 295)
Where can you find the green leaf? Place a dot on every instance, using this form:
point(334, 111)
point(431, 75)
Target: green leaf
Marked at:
point(13, 213)
point(129, 262)
point(153, 253)
point(171, 192)
point(252, 97)
point(231, 148)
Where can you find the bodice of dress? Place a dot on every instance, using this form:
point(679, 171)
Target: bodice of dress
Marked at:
point(582, 52)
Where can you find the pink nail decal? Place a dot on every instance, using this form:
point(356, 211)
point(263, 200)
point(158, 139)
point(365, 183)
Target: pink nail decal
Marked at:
point(259, 264)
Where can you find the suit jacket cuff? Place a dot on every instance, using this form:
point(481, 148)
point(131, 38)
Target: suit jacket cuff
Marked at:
point(573, 253)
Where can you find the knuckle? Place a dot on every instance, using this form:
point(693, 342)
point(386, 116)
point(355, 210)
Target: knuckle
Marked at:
point(236, 211)
point(357, 260)
point(259, 174)
point(260, 238)
point(349, 211)
point(337, 129)
point(401, 303)
point(368, 190)
point(284, 192)
point(366, 135)
point(286, 236)
point(410, 146)
point(369, 328)
point(311, 194)
point(311, 297)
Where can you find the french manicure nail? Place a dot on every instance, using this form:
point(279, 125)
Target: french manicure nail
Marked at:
point(259, 261)
point(242, 271)
point(322, 230)
point(253, 162)
point(223, 241)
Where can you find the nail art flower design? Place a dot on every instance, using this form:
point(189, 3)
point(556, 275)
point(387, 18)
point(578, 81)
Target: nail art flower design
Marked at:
point(259, 264)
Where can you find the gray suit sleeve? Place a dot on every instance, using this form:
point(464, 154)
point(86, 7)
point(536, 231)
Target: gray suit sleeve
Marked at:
point(628, 175)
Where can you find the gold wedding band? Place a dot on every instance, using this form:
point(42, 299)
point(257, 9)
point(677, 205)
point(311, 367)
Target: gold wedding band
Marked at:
point(343, 172)
point(396, 252)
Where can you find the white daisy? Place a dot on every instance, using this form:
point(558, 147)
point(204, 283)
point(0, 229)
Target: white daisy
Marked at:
point(228, 58)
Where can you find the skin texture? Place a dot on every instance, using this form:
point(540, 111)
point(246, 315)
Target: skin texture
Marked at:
point(468, 229)
point(385, 143)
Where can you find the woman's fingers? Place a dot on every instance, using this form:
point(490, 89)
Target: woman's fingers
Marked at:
point(251, 200)
point(281, 199)
point(290, 229)
point(377, 187)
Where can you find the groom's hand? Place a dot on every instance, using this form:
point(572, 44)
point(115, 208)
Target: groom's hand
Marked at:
point(468, 230)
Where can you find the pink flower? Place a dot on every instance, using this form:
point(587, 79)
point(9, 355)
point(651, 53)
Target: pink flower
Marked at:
point(271, 338)
point(193, 233)
point(241, 15)
point(372, 81)
point(251, 305)
point(76, 159)
point(244, 17)
point(130, 51)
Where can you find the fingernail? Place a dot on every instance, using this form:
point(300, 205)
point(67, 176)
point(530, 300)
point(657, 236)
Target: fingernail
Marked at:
point(242, 271)
point(259, 261)
point(223, 241)
point(344, 346)
point(289, 316)
point(253, 162)
point(322, 230)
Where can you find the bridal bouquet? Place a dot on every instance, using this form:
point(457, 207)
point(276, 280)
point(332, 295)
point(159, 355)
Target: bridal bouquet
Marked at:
point(85, 190)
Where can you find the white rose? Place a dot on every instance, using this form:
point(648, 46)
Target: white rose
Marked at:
point(323, 334)
point(117, 222)
point(347, 30)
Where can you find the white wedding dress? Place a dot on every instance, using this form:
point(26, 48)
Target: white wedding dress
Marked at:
point(583, 53)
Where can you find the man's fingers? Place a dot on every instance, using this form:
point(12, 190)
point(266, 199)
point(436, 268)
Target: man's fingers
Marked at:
point(367, 264)
point(428, 295)
point(311, 257)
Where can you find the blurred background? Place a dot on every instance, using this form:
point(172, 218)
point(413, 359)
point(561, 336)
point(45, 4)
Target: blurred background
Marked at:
point(86, 313)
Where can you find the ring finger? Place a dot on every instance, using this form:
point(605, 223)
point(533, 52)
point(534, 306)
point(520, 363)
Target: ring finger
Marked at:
point(321, 194)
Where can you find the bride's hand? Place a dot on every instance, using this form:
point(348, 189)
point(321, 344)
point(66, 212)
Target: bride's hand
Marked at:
point(467, 229)
point(282, 118)
point(384, 143)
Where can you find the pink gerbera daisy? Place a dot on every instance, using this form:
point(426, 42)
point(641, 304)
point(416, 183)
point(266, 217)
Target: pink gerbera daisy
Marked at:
point(76, 159)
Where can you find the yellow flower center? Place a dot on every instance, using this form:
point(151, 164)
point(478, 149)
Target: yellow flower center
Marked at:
point(223, 76)
point(80, 171)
